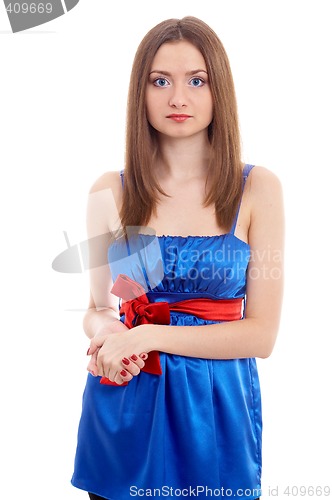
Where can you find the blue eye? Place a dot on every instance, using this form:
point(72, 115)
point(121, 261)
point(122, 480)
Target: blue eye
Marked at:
point(160, 82)
point(197, 82)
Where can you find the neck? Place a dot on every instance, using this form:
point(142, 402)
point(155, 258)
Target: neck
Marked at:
point(183, 158)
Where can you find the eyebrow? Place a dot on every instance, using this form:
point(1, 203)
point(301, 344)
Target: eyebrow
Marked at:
point(193, 72)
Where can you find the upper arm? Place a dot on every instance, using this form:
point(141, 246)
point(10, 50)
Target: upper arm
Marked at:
point(102, 220)
point(266, 239)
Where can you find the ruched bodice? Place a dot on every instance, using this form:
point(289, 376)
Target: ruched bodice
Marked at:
point(209, 266)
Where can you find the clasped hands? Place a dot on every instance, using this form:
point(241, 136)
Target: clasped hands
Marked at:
point(119, 356)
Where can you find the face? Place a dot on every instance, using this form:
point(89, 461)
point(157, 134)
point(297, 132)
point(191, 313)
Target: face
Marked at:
point(178, 96)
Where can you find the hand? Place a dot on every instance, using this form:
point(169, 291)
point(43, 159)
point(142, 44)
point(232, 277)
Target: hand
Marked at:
point(115, 327)
point(131, 368)
point(119, 356)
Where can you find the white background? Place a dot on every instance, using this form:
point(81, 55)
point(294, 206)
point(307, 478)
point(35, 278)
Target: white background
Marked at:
point(63, 93)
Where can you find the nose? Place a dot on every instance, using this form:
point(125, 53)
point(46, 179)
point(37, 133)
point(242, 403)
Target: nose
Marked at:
point(177, 98)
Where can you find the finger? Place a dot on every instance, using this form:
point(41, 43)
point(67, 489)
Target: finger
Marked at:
point(125, 376)
point(118, 379)
point(94, 357)
point(130, 366)
point(96, 343)
point(91, 369)
point(104, 368)
point(100, 368)
point(137, 360)
point(92, 366)
point(144, 356)
point(92, 349)
point(122, 376)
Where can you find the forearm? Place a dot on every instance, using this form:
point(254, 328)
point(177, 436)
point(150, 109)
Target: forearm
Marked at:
point(247, 338)
point(100, 322)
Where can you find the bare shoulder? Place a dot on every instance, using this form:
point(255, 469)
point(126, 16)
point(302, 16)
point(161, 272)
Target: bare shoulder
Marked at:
point(108, 189)
point(264, 187)
point(262, 180)
point(266, 198)
point(104, 202)
point(108, 180)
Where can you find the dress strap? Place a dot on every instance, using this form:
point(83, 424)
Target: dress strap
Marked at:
point(121, 175)
point(246, 171)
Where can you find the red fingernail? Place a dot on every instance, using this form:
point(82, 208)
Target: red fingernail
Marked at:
point(134, 357)
point(143, 356)
point(123, 373)
point(125, 361)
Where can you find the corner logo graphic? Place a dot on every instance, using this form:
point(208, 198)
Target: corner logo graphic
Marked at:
point(133, 255)
point(27, 14)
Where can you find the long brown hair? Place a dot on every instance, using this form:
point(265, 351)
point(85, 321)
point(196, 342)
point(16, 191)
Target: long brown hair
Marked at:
point(225, 170)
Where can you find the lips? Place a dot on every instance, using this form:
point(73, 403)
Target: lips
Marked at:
point(178, 117)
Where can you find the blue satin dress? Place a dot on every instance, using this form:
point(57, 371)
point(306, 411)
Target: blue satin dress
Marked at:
point(196, 428)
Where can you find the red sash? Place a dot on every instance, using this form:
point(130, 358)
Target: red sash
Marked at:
point(138, 311)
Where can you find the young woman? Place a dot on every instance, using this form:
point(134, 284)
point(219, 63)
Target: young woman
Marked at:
point(194, 240)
